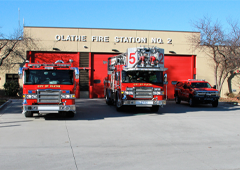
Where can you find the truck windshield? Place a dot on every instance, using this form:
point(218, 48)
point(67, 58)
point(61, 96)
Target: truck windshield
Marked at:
point(200, 85)
point(48, 77)
point(142, 77)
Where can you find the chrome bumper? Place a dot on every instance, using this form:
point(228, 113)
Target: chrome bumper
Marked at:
point(144, 103)
point(49, 108)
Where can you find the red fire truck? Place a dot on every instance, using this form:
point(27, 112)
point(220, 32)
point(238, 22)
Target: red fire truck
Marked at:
point(136, 78)
point(49, 88)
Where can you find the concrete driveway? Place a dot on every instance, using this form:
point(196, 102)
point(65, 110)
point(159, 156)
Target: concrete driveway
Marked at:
point(178, 137)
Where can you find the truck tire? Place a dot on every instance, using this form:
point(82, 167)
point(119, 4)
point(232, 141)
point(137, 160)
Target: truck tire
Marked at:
point(28, 114)
point(177, 99)
point(62, 113)
point(215, 103)
point(191, 102)
point(108, 99)
point(154, 108)
point(118, 103)
point(70, 114)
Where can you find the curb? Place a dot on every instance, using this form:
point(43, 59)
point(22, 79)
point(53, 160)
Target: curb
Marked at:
point(5, 104)
point(231, 103)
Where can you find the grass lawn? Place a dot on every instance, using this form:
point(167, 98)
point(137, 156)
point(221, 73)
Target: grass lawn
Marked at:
point(2, 101)
point(231, 100)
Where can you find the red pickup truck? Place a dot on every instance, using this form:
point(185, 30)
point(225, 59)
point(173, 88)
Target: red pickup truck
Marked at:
point(196, 91)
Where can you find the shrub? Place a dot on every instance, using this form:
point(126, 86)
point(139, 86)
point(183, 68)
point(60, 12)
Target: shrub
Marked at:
point(231, 95)
point(11, 88)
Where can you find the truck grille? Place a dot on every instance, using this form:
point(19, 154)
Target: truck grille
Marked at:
point(200, 93)
point(143, 92)
point(48, 96)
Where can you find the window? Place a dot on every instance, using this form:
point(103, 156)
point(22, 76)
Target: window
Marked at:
point(11, 77)
point(179, 84)
point(48, 77)
point(117, 76)
point(142, 77)
point(200, 85)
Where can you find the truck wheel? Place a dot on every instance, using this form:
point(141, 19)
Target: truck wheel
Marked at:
point(154, 108)
point(215, 103)
point(191, 102)
point(62, 113)
point(108, 100)
point(28, 114)
point(177, 100)
point(70, 114)
point(118, 104)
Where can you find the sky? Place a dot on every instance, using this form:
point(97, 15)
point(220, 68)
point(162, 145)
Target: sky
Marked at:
point(171, 15)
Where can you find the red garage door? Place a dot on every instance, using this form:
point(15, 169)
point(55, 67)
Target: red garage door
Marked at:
point(99, 72)
point(179, 68)
point(52, 57)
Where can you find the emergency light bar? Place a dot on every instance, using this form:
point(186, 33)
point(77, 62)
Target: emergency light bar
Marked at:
point(196, 79)
point(58, 63)
point(34, 65)
point(145, 69)
point(49, 68)
point(49, 65)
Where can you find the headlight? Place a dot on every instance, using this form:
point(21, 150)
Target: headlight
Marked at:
point(129, 92)
point(217, 93)
point(31, 96)
point(158, 92)
point(195, 93)
point(129, 89)
point(67, 96)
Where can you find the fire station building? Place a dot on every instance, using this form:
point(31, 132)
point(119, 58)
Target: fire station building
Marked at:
point(90, 48)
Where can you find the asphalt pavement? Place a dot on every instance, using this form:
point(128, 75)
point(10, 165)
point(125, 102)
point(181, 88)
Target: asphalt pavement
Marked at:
point(177, 137)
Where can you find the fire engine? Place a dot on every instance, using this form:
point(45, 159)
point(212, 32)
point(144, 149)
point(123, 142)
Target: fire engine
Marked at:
point(49, 88)
point(136, 78)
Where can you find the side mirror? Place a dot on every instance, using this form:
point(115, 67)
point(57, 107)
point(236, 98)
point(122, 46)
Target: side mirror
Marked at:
point(76, 71)
point(20, 72)
point(214, 86)
point(165, 79)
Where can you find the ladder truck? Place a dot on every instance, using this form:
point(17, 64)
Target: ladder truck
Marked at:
point(136, 78)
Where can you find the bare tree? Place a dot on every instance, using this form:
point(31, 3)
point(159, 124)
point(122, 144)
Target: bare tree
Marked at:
point(221, 46)
point(15, 46)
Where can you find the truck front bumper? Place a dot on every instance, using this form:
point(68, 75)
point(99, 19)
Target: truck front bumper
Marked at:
point(205, 99)
point(49, 108)
point(144, 103)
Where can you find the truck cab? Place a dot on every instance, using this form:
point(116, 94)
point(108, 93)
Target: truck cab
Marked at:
point(49, 88)
point(196, 91)
point(136, 78)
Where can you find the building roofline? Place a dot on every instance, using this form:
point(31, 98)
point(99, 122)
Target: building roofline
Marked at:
point(108, 29)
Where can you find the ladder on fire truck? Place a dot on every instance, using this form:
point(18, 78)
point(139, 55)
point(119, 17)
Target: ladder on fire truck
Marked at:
point(139, 58)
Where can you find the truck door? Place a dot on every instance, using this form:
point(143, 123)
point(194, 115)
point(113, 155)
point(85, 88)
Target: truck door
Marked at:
point(187, 91)
point(179, 88)
point(184, 91)
point(117, 81)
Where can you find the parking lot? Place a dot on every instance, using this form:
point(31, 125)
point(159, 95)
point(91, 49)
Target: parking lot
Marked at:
point(177, 137)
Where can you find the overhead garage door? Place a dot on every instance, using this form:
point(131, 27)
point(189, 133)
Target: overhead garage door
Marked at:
point(99, 72)
point(179, 68)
